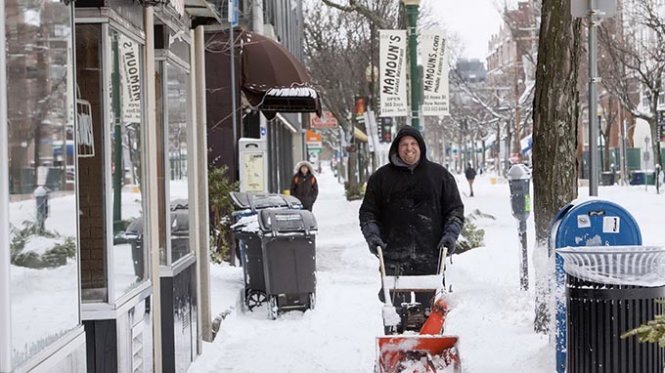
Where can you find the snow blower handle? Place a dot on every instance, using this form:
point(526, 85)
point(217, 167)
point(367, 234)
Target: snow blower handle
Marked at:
point(382, 265)
point(390, 316)
point(442, 260)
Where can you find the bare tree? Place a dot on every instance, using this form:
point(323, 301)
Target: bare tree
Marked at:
point(340, 46)
point(472, 116)
point(634, 50)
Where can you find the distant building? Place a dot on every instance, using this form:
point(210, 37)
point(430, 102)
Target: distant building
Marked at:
point(471, 71)
point(511, 62)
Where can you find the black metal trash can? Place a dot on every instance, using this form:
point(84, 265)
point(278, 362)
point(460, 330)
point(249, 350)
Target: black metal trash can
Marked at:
point(248, 242)
point(289, 259)
point(179, 223)
point(599, 312)
point(179, 229)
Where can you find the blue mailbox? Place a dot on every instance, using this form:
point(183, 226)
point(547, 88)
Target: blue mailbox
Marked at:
point(587, 223)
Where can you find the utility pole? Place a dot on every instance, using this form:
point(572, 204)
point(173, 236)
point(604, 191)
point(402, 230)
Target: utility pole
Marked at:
point(593, 10)
point(412, 23)
point(516, 137)
point(593, 97)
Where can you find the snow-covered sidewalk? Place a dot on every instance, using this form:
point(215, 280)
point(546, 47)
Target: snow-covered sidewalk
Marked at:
point(492, 317)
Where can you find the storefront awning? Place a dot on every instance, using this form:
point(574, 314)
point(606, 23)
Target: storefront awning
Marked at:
point(273, 80)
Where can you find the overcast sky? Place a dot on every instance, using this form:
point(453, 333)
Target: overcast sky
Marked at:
point(474, 21)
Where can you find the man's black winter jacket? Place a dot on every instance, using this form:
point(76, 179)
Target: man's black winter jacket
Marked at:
point(411, 207)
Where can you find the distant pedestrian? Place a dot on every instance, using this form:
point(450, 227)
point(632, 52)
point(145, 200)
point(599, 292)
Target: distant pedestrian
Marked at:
point(470, 174)
point(304, 185)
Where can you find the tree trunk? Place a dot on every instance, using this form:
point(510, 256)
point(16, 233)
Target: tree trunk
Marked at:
point(353, 169)
point(555, 117)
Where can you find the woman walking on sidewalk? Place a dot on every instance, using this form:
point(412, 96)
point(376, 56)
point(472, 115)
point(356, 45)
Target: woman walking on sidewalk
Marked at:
point(304, 185)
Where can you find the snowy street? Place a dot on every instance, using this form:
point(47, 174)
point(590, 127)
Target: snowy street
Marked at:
point(490, 314)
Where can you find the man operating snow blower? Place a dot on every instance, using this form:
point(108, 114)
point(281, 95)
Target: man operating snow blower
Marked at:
point(412, 209)
point(411, 217)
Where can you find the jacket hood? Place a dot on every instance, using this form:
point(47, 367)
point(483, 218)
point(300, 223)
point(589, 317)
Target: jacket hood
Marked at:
point(304, 163)
point(407, 131)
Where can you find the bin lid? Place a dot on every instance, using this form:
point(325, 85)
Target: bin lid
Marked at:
point(179, 204)
point(135, 228)
point(595, 222)
point(258, 201)
point(179, 223)
point(616, 265)
point(286, 221)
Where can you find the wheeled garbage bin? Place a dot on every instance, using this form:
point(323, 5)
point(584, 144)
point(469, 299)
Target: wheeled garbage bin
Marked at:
point(611, 290)
point(248, 243)
point(289, 259)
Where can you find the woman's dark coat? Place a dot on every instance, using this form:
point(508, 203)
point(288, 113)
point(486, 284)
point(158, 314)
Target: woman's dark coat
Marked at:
point(305, 187)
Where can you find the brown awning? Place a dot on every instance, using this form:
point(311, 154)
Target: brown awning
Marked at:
point(273, 80)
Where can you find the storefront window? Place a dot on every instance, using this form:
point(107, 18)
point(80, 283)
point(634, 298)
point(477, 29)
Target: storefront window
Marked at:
point(42, 175)
point(125, 132)
point(177, 81)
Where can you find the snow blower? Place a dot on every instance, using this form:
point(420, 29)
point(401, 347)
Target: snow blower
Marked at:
point(426, 352)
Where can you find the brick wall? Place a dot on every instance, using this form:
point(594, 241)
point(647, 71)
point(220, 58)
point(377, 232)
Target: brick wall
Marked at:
point(91, 170)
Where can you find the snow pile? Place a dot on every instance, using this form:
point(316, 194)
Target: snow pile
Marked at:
point(249, 223)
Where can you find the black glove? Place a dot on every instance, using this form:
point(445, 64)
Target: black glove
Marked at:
point(448, 241)
point(373, 237)
point(450, 234)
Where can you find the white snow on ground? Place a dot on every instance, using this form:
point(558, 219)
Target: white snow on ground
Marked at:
point(490, 314)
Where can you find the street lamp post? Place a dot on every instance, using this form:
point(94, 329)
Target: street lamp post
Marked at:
point(412, 22)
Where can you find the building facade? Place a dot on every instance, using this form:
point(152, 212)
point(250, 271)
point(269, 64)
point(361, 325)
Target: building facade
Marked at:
point(103, 192)
point(278, 26)
point(511, 65)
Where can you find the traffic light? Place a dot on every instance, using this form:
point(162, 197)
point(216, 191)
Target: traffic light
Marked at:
point(385, 125)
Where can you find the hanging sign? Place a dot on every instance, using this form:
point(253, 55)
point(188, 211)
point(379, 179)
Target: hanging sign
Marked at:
point(130, 75)
point(435, 73)
point(327, 120)
point(392, 73)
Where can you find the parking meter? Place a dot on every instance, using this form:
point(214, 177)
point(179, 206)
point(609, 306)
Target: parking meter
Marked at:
point(41, 203)
point(519, 177)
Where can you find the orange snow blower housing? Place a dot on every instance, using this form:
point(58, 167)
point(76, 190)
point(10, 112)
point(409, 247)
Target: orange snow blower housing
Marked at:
point(429, 351)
